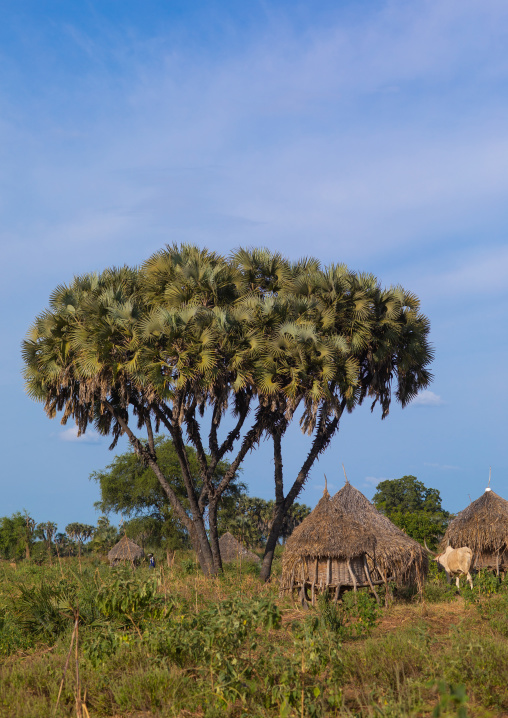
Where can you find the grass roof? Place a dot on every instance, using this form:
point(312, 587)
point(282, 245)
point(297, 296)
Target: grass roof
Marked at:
point(397, 555)
point(125, 550)
point(330, 533)
point(232, 550)
point(483, 525)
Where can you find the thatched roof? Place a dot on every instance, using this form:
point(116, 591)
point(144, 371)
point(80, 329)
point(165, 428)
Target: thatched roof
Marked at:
point(483, 525)
point(232, 550)
point(329, 532)
point(125, 550)
point(397, 555)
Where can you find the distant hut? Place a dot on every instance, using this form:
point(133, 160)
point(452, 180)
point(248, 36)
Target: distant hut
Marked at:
point(483, 527)
point(399, 558)
point(330, 551)
point(233, 550)
point(125, 551)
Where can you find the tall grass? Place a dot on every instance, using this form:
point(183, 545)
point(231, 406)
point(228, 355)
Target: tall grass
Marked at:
point(172, 643)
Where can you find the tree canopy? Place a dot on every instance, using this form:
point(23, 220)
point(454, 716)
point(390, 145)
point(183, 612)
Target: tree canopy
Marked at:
point(406, 494)
point(192, 336)
point(413, 507)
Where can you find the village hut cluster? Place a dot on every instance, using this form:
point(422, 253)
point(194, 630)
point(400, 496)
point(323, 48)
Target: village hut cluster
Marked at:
point(346, 543)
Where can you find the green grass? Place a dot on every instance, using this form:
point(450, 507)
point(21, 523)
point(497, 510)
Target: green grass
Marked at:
point(172, 643)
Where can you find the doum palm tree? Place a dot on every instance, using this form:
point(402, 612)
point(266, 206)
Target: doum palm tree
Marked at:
point(222, 352)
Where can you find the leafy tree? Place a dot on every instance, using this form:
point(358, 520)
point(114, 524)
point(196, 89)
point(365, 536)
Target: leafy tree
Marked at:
point(63, 545)
point(105, 535)
point(406, 494)
point(193, 337)
point(80, 533)
point(13, 536)
point(250, 519)
point(130, 487)
point(412, 507)
point(46, 531)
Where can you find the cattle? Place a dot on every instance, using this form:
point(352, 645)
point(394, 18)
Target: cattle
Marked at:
point(456, 562)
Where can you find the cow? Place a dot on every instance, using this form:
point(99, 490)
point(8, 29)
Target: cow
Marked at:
point(456, 562)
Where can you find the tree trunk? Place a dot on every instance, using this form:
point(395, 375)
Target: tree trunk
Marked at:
point(201, 546)
point(214, 536)
point(322, 438)
point(271, 544)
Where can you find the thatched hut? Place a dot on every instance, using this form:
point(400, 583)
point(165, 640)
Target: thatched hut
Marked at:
point(233, 550)
point(330, 551)
point(399, 558)
point(483, 527)
point(125, 551)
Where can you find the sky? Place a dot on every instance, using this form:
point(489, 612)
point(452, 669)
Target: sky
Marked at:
point(369, 133)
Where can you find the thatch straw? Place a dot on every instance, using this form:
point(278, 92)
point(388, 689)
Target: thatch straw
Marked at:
point(233, 550)
point(326, 533)
point(399, 558)
point(125, 550)
point(483, 526)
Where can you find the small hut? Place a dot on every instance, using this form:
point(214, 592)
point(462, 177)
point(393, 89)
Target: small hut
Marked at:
point(483, 527)
point(330, 551)
point(399, 558)
point(125, 550)
point(233, 550)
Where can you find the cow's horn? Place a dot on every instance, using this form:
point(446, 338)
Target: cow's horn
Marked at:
point(428, 549)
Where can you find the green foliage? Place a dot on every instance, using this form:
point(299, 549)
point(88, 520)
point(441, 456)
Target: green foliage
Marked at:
point(166, 645)
point(406, 494)
point(451, 697)
point(248, 339)
point(353, 617)
point(16, 535)
point(413, 507)
point(436, 588)
point(250, 519)
point(130, 487)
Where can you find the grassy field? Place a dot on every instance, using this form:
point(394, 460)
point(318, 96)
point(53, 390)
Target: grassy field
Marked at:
point(171, 643)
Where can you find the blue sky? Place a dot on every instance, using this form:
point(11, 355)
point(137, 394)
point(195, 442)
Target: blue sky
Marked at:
point(370, 133)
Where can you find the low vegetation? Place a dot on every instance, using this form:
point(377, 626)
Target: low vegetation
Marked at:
point(171, 643)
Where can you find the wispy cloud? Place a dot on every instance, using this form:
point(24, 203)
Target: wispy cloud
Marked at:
point(442, 467)
point(427, 398)
point(71, 434)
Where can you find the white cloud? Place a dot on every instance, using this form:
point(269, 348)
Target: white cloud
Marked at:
point(442, 467)
point(427, 398)
point(71, 434)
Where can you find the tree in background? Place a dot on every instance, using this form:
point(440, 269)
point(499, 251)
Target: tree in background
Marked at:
point(28, 533)
point(104, 536)
point(79, 533)
point(413, 507)
point(129, 487)
point(46, 531)
point(250, 520)
point(13, 536)
point(193, 338)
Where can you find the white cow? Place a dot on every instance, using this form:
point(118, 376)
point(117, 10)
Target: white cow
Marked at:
point(456, 562)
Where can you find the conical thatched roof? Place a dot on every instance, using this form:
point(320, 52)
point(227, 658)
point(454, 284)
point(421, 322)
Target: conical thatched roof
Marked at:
point(125, 550)
point(483, 525)
point(232, 550)
point(399, 557)
point(329, 532)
